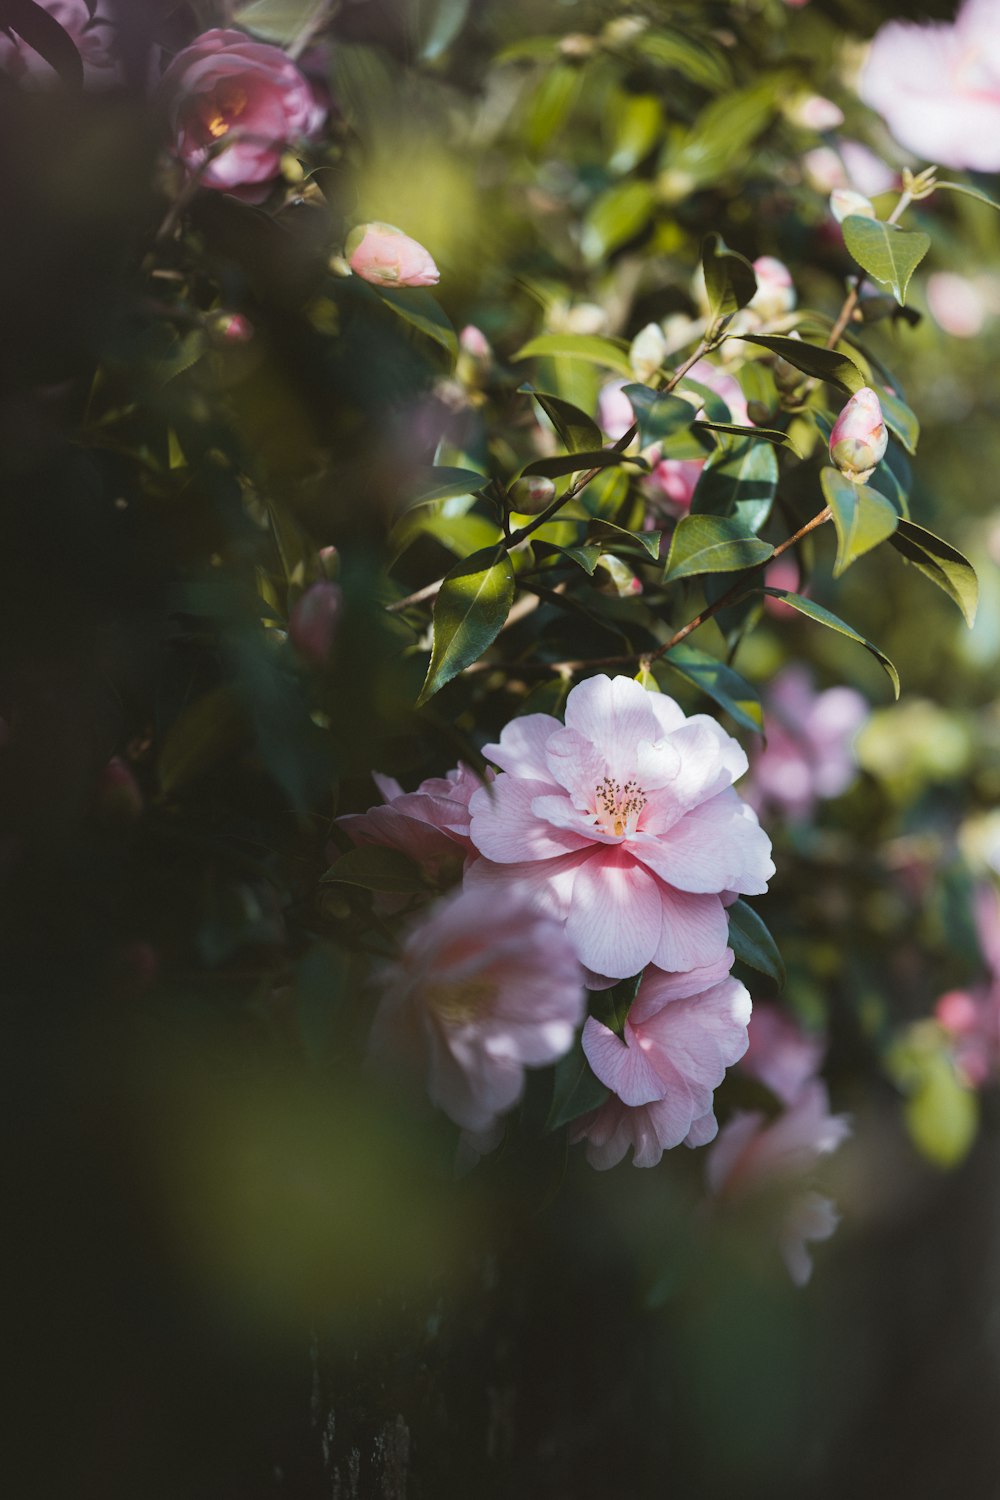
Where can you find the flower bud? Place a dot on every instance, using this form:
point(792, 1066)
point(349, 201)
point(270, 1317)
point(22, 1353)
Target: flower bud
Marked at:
point(648, 351)
point(845, 201)
point(385, 256)
point(530, 494)
point(859, 437)
point(313, 621)
point(775, 294)
point(615, 577)
point(814, 112)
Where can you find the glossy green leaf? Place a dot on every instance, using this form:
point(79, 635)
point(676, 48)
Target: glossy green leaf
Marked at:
point(752, 943)
point(611, 1006)
point(575, 428)
point(469, 613)
point(719, 682)
point(862, 516)
point(571, 463)
point(686, 54)
point(942, 563)
point(739, 481)
point(773, 435)
point(719, 137)
point(648, 541)
point(832, 622)
point(730, 280)
point(900, 420)
point(968, 192)
point(660, 416)
point(460, 534)
point(616, 216)
point(587, 346)
point(575, 1090)
point(812, 359)
point(712, 544)
point(416, 306)
point(585, 557)
point(375, 868)
point(278, 21)
point(889, 254)
point(443, 483)
point(892, 479)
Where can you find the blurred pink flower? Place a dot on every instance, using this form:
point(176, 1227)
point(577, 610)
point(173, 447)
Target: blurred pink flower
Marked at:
point(775, 294)
point(92, 35)
point(809, 755)
point(312, 623)
point(235, 106)
point(851, 165)
point(624, 825)
point(972, 1017)
point(430, 826)
point(780, 1054)
point(681, 1033)
point(783, 574)
point(383, 254)
point(614, 409)
point(956, 304)
point(753, 1156)
point(938, 86)
point(484, 987)
point(674, 479)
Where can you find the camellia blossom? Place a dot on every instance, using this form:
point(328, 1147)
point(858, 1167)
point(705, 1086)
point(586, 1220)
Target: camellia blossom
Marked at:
point(430, 826)
point(972, 1017)
point(623, 824)
point(859, 437)
point(809, 754)
point(956, 304)
point(484, 987)
point(781, 1054)
point(384, 255)
point(938, 86)
point(91, 34)
point(235, 107)
point(681, 1033)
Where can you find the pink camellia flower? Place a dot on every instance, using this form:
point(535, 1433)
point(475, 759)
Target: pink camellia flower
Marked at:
point(752, 1156)
point(938, 86)
point(614, 409)
point(851, 165)
point(859, 437)
point(235, 107)
point(809, 753)
point(780, 1054)
point(385, 256)
point(681, 1033)
point(623, 824)
point(956, 304)
point(782, 574)
point(92, 35)
point(484, 987)
point(312, 623)
point(972, 1017)
point(430, 826)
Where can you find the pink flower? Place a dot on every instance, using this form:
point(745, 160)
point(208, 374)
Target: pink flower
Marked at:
point(859, 437)
point(235, 106)
point(782, 574)
point(681, 1033)
point(91, 35)
point(753, 1157)
point(780, 1054)
point(312, 623)
point(938, 87)
point(815, 112)
point(775, 294)
point(484, 987)
point(430, 826)
point(956, 304)
point(972, 1017)
point(624, 825)
point(614, 409)
point(809, 755)
point(852, 165)
point(384, 255)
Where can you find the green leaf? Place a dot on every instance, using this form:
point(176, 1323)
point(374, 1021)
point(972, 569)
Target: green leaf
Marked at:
point(588, 346)
point(416, 306)
point(716, 141)
point(826, 617)
point(571, 463)
point(738, 481)
point(712, 544)
point(442, 483)
point(889, 254)
point(438, 24)
point(611, 1006)
point(862, 516)
point(585, 557)
point(752, 942)
point(204, 733)
point(375, 868)
point(893, 478)
point(576, 430)
point(942, 563)
point(618, 215)
point(900, 420)
point(730, 280)
point(551, 104)
point(279, 21)
point(712, 404)
point(719, 682)
point(648, 541)
point(695, 60)
point(968, 192)
point(813, 359)
point(659, 416)
point(773, 435)
point(635, 122)
point(469, 613)
point(460, 534)
point(575, 1090)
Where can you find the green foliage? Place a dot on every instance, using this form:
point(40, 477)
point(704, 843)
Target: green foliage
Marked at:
point(739, 481)
point(729, 281)
point(942, 563)
point(588, 347)
point(575, 1090)
point(826, 617)
point(889, 254)
point(469, 613)
point(719, 681)
point(711, 544)
point(752, 943)
point(812, 359)
point(862, 516)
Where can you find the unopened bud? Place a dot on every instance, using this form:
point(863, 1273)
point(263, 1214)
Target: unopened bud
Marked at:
point(814, 112)
point(859, 437)
point(620, 582)
point(775, 294)
point(577, 44)
point(329, 561)
point(845, 201)
point(647, 352)
point(530, 494)
point(312, 624)
point(384, 255)
point(759, 413)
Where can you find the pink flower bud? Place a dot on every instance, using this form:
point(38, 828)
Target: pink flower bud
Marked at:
point(313, 621)
point(530, 494)
point(845, 201)
point(385, 256)
point(859, 437)
point(473, 342)
point(775, 292)
point(814, 112)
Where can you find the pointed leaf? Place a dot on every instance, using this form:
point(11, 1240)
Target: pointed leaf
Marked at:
point(736, 429)
point(618, 215)
point(594, 350)
point(578, 431)
point(752, 943)
point(685, 54)
point(443, 483)
point(889, 254)
point(46, 36)
point(575, 1090)
point(720, 682)
point(611, 1006)
point(469, 613)
point(862, 516)
point(660, 416)
point(416, 306)
point(968, 192)
point(942, 563)
point(712, 544)
point(740, 481)
point(812, 359)
point(826, 617)
point(649, 541)
point(572, 463)
point(585, 557)
point(900, 420)
point(730, 280)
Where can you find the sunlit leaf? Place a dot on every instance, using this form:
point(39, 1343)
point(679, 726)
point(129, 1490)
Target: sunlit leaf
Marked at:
point(660, 416)
point(587, 346)
point(686, 54)
point(416, 306)
point(813, 359)
point(730, 279)
point(942, 563)
point(863, 518)
point(635, 123)
point(968, 192)
point(576, 429)
point(647, 541)
point(832, 622)
point(551, 104)
point(712, 544)
point(740, 481)
point(443, 483)
point(469, 613)
point(889, 254)
point(618, 215)
point(719, 682)
point(570, 463)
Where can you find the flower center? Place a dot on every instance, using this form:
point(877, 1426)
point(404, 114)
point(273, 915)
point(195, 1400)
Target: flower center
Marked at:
point(617, 807)
point(230, 102)
point(456, 1004)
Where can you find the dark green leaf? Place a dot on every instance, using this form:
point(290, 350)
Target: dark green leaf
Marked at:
point(441, 483)
point(611, 1006)
point(585, 557)
point(862, 516)
point(739, 481)
point(900, 420)
point(752, 943)
point(416, 306)
point(826, 617)
point(824, 364)
point(375, 868)
point(719, 682)
point(469, 613)
point(735, 429)
point(594, 350)
point(712, 544)
point(203, 734)
point(576, 430)
point(942, 563)
point(572, 463)
point(889, 254)
point(575, 1090)
point(730, 280)
point(659, 416)
point(618, 215)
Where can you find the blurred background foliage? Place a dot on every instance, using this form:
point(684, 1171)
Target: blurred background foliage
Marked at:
point(238, 1267)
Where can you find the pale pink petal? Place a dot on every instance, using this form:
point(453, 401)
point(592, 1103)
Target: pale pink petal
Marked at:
point(522, 746)
point(506, 830)
point(614, 919)
point(614, 714)
point(695, 930)
point(810, 1218)
point(622, 1066)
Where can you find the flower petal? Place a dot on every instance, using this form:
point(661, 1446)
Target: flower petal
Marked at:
point(504, 828)
point(614, 921)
